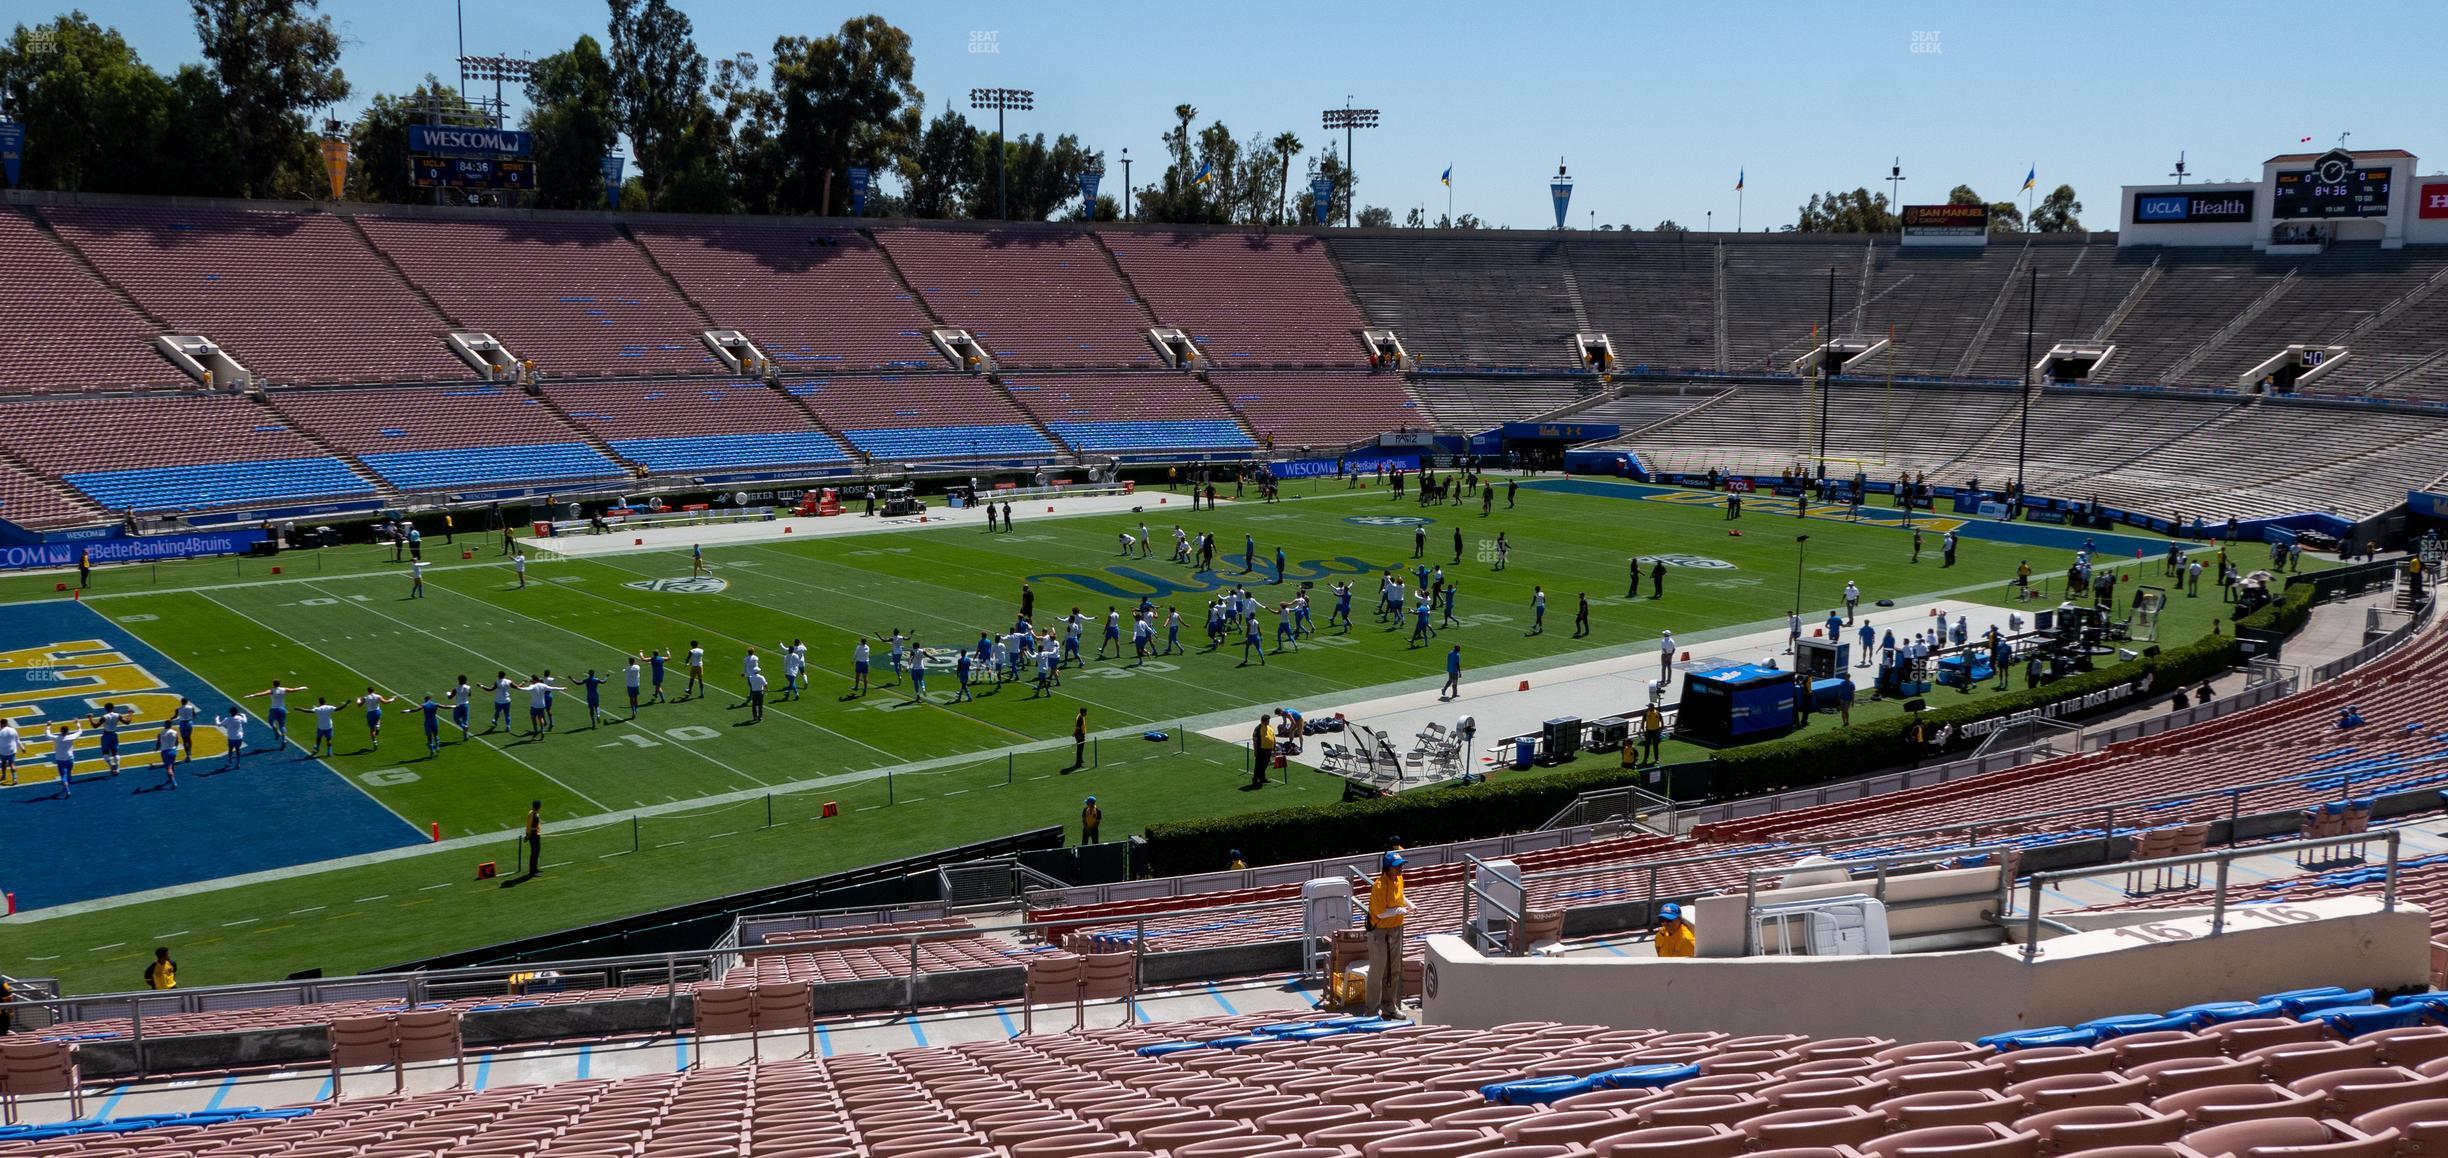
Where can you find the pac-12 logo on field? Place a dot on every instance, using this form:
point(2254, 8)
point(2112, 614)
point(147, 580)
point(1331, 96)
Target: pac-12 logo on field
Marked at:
point(1702, 562)
point(689, 585)
point(1389, 520)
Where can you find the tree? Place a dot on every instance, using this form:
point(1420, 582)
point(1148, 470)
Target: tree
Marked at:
point(846, 101)
point(941, 173)
point(658, 80)
point(378, 142)
point(274, 60)
point(1286, 145)
point(1376, 217)
point(1859, 211)
point(1963, 195)
point(1041, 178)
point(1107, 209)
point(1328, 163)
point(1667, 226)
point(2005, 217)
point(93, 112)
point(573, 113)
point(751, 119)
point(197, 157)
point(2055, 213)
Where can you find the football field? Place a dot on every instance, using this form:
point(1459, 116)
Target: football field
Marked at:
point(291, 862)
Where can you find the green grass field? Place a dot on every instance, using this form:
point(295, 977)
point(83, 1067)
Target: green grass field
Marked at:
point(691, 800)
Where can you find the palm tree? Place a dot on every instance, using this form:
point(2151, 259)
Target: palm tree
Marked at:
point(1184, 114)
point(1287, 146)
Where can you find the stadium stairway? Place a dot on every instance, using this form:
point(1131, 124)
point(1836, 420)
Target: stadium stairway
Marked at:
point(585, 434)
point(384, 256)
point(1115, 264)
point(1035, 423)
point(1248, 431)
point(901, 278)
point(857, 456)
point(382, 486)
point(646, 254)
point(68, 497)
point(51, 233)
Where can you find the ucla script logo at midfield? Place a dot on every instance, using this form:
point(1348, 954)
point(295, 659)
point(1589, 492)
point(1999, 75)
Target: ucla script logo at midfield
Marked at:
point(1132, 583)
point(691, 585)
point(1700, 562)
point(1389, 520)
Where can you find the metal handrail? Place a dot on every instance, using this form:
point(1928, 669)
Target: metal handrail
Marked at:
point(2108, 811)
point(2223, 859)
point(418, 987)
point(1472, 890)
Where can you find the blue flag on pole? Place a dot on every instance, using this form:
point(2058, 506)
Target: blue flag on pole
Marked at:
point(12, 150)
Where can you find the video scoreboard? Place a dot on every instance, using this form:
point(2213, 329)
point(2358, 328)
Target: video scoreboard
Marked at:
point(459, 157)
point(2333, 187)
point(468, 173)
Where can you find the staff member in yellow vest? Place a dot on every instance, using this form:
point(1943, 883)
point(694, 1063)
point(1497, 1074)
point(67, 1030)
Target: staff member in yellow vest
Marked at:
point(1675, 936)
point(1386, 910)
point(163, 972)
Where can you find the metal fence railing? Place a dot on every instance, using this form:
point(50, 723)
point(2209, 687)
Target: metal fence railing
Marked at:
point(1636, 806)
point(2223, 862)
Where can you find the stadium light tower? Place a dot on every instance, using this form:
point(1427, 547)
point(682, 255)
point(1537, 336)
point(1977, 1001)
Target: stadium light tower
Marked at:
point(1895, 177)
point(1801, 556)
point(1827, 358)
point(2179, 172)
point(2031, 323)
point(497, 69)
point(1126, 189)
point(1347, 119)
point(1001, 100)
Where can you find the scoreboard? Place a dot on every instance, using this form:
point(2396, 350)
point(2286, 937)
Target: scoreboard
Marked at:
point(470, 173)
point(2333, 187)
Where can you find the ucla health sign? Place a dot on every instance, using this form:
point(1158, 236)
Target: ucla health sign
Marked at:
point(2174, 207)
point(462, 141)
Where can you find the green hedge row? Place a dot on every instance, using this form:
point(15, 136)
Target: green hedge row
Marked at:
point(1468, 812)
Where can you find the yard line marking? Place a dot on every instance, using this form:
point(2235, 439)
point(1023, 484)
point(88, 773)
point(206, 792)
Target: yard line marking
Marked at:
point(112, 945)
point(671, 844)
point(514, 757)
point(167, 936)
point(697, 627)
point(307, 909)
point(430, 888)
point(375, 897)
point(351, 780)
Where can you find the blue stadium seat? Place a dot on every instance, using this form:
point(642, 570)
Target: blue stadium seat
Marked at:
point(1155, 435)
point(2355, 1020)
point(426, 470)
point(220, 484)
point(950, 442)
point(717, 451)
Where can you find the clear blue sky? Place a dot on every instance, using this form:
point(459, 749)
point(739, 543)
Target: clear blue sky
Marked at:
point(1654, 106)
